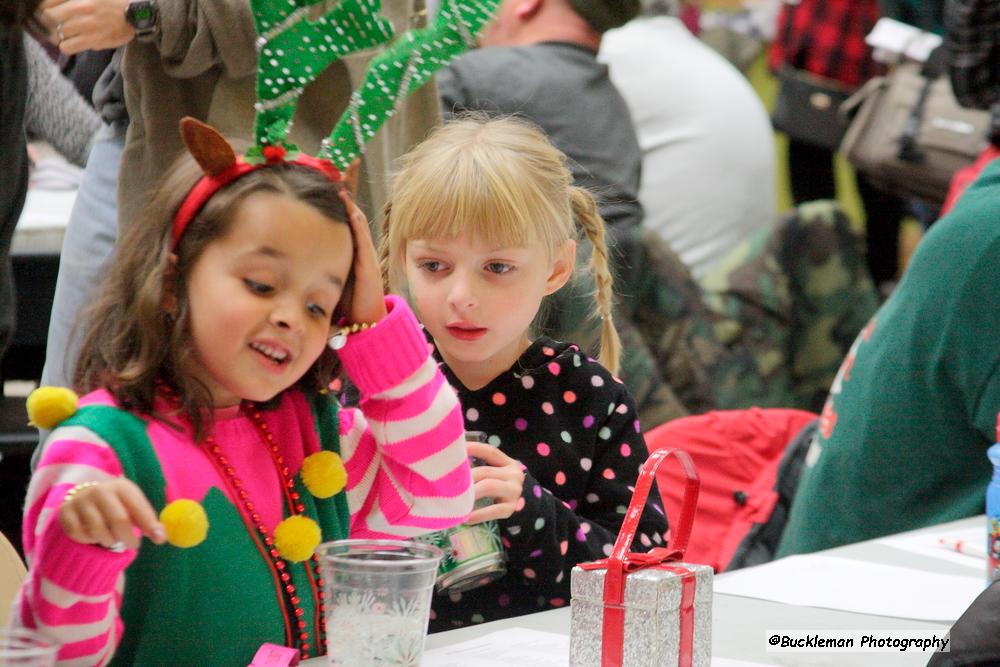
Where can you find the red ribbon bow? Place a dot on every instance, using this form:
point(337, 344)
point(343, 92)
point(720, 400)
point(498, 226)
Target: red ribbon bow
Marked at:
point(621, 562)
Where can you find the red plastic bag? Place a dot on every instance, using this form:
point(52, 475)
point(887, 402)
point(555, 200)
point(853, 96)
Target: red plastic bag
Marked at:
point(737, 453)
point(963, 178)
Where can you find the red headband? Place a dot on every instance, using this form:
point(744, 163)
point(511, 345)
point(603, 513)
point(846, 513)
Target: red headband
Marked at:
point(205, 188)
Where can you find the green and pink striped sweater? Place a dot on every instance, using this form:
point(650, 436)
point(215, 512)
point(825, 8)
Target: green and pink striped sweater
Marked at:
point(407, 474)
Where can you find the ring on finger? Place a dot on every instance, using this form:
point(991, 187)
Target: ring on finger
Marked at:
point(59, 32)
point(76, 489)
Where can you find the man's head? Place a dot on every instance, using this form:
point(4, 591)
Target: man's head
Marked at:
point(659, 7)
point(519, 22)
point(603, 15)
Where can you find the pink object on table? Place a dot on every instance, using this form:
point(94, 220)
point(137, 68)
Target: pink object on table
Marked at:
point(272, 655)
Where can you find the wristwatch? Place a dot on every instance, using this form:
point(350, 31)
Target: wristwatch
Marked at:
point(144, 16)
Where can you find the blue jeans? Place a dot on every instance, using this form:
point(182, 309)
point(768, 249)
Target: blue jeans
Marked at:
point(86, 253)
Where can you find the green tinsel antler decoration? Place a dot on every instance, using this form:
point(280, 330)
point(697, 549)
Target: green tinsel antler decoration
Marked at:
point(298, 39)
point(402, 68)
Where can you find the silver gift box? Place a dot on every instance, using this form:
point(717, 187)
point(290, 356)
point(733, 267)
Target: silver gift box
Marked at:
point(652, 617)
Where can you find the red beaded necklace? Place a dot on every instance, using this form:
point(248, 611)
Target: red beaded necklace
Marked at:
point(296, 633)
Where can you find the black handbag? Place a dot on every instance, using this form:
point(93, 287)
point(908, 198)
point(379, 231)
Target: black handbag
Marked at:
point(807, 108)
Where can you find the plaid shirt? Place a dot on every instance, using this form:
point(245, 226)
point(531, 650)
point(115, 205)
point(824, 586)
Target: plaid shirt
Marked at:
point(927, 15)
point(972, 35)
point(827, 38)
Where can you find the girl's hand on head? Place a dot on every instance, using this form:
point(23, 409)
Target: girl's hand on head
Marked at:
point(500, 478)
point(368, 300)
point(108, 513)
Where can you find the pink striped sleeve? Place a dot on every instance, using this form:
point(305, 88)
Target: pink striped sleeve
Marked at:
point(408, 471)
point(72, 593)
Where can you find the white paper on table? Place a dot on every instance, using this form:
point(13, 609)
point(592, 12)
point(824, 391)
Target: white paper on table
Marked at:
point(514, 646)
point(55, 173)
point(521, 647)
point(897, 39)
point(855, 586)
point(46, 209)
point(936, 545)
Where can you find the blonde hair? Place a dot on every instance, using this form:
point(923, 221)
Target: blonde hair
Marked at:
point(502, 180)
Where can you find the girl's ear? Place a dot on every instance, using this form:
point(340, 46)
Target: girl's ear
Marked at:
point(562, 268)
point(169, 303)
point(525, 9)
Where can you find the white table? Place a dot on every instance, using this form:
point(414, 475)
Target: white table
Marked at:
point(741, 625)
point(52, 189)
point(43, 220)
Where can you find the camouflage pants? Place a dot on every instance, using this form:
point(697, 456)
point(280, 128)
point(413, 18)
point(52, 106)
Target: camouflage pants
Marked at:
point(768, 327)
point(800, 292)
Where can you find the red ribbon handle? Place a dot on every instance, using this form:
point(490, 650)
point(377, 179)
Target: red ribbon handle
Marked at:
point(621, 562)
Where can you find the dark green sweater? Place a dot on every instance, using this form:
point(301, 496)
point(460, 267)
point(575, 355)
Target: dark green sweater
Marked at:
point(902, 440)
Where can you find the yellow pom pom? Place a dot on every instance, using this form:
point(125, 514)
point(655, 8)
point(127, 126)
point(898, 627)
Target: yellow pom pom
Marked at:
point(323, 474)
point(47, 406)
point(296, 538)
point(186, 523)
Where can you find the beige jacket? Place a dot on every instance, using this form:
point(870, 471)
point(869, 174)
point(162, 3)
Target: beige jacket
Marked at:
point(203, 62)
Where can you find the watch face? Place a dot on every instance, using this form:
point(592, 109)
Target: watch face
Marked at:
point(141, 14)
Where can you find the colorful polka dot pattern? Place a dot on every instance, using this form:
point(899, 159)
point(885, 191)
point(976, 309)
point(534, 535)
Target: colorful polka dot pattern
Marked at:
point(564, 417)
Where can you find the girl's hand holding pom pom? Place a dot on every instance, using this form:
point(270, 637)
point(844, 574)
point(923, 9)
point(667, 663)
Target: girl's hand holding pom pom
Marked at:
point(109, 513)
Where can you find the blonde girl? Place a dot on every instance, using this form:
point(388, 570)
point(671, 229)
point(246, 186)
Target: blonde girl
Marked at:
point(482, 225)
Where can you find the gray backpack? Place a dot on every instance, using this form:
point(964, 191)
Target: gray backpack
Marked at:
point(909, 135)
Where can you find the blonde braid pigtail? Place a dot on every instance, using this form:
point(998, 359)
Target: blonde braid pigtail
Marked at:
point(587, 216)
point(384, 250)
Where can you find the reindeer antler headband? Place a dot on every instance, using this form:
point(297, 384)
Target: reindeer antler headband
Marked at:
point(298, 39)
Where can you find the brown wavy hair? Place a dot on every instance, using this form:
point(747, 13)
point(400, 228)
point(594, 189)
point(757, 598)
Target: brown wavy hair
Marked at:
point(131, 341)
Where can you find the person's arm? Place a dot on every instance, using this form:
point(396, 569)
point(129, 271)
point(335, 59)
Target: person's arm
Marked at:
point(73, 591)
point(191, 36)
point(55, 111)
point(548, 536)
point(972, 37)
point(194, 37)
point(404, 448)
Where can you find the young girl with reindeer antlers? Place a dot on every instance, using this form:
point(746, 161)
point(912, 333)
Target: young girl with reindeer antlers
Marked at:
point(206, 362)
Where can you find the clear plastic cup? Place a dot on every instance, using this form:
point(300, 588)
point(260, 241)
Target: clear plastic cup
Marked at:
point(378, 600)
point(25, 648)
